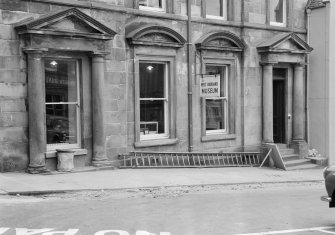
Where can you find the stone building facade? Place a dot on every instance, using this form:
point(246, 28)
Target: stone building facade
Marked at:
point(107, 77)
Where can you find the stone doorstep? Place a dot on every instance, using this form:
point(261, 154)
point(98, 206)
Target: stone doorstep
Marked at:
point(321, 161)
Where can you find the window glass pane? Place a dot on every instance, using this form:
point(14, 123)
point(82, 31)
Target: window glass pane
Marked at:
point(60, 81)
point(219, 71)
point(61, 95)
point(152, 117)
point(151, 3)
point(62, 129)
point(216, 108)
point(277, 11)
point(216, 8)
point(152, 79)
point(215, 114)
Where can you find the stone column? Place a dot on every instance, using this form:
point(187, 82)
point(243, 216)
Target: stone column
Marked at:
point(298, 139)
point(98, 77)
point(298, 104)
point(268, 102)
point(36, 110)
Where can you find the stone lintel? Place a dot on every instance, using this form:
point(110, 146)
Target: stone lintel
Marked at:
point(32, 50)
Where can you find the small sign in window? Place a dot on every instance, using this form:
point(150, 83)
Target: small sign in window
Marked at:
point(210, 86)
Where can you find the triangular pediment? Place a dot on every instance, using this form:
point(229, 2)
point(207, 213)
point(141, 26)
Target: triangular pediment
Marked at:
point(285, 43)
point(220, 41)
point(71, 22)
point(153, 35)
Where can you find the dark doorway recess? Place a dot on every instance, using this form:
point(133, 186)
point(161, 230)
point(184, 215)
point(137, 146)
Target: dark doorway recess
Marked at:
point(279, 76)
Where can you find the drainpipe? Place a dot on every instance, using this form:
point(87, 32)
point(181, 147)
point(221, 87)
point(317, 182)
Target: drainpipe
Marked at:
point(190, 82)
point(307, 76)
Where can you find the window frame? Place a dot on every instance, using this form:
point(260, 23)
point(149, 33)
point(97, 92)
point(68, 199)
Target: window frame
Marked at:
point(154, 9)
point(229, 16)
point(285, 14)
point(170, 84)
point(78, 144)
point(222, 17)
point(224, 98)
point(231, 70)
point(165, 99)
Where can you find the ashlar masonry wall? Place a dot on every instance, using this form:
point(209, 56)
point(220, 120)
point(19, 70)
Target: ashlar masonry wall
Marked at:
point(119, 72)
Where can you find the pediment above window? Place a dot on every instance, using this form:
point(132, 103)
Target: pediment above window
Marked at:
point(66, 23)
point(154, 35)
point(285, 43)
point(220, 41)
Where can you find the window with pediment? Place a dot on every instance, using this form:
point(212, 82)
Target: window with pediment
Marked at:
point(155, 51)
point(219, 53)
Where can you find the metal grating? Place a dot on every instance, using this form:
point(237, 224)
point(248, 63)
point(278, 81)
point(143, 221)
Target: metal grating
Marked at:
point(189, 159)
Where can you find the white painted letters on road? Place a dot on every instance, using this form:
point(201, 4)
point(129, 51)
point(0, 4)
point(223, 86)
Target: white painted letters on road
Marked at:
point(68, 232)
point(52, 231)
point(147, 233)
point(3, 230)
point(25, 231)
point(119, 232)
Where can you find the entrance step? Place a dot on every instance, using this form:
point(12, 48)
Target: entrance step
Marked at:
point(292, 160)
point(305, 166)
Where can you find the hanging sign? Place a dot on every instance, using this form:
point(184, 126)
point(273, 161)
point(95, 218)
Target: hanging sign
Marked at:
point(210, 86)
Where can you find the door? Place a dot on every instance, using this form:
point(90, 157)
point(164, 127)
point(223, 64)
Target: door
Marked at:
point(279, 133)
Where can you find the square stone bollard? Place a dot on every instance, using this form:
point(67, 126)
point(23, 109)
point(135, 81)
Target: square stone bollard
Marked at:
point(65, 159)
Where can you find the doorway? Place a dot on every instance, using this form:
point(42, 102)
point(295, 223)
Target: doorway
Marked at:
point(279, 127)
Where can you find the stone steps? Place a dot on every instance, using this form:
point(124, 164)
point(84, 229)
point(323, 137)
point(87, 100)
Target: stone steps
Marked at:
point(292, 161)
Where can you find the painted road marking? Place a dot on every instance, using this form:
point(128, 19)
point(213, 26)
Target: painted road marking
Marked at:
point(52, 231)
point(318, 229)
point(325, 231)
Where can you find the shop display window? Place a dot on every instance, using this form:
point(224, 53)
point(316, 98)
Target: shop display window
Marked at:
point(153, 100)
point(62, 103)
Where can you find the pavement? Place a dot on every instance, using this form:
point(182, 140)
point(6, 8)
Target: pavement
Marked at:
point(117, 179)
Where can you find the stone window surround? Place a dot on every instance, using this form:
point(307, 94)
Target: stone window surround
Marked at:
point(45, 42)
point(36, 99)
point(230, 62)
point(162, 46)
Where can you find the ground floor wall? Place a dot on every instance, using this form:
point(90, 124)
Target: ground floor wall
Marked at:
point(122, 98)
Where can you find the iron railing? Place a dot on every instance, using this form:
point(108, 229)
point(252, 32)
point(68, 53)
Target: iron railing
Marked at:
point(189, 159)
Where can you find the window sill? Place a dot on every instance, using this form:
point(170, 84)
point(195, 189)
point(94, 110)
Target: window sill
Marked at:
point(152, 143)
point(53, 153)
point(208, 138)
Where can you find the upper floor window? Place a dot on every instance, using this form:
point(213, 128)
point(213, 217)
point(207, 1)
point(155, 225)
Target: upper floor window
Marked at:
point(217, 9)
point(278, 12)
point(152, 5)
